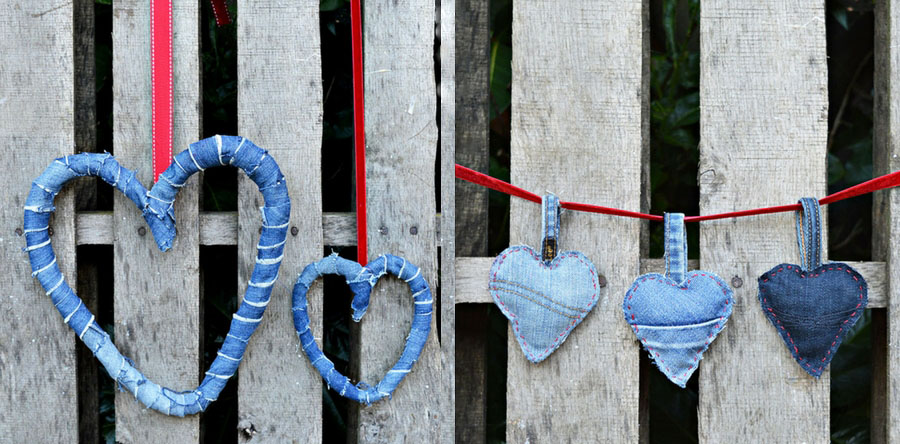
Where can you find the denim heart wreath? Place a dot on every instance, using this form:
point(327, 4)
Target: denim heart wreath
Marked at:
point(814, 306)
point(361, 280)
point(677, 316)
point(544, 297)
point(157, 207)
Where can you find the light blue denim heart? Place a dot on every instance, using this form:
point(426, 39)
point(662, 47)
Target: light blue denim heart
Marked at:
point(677, 316)
point(157, 205)
point(544, 297)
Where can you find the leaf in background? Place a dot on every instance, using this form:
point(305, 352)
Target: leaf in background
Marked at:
point(500, 77)
point(330, 5)
point(686, 111)
point(840, 15)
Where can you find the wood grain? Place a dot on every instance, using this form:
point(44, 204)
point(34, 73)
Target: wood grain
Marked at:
point(37, 352)
point(446, 240)
point(280, 109)
point(401, 136)
point(886, 224)
point(764, 96)
point(156, 294)
point(577, 92)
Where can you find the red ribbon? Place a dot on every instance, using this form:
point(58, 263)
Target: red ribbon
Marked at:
point(359, 130)
point(879, 183)
point(161, 84)
point(220, 11)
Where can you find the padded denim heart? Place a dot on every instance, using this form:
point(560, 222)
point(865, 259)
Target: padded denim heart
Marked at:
point(677, 316)
point(157, 206)
point(676, 323)
point(813, 311)
point(814, 305)
point(544, 297)
point(543, 302)
point(361, 280)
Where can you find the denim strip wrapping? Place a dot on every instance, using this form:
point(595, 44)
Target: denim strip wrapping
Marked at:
point(157, 206)
point(361, 281)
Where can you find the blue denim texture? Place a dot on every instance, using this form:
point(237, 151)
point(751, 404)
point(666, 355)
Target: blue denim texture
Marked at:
point(546, 295)
point(677, 316)
point(814, 305)
point(361, 280)
point(157, 207)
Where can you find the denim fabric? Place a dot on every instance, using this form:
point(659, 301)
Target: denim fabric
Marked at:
point(677, 316)
point(361, 281)
point(543, 296)
point(157, 207)
point(814, 305)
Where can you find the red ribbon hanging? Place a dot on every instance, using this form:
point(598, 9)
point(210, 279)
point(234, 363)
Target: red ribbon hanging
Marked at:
point(359, 130)
point(162, 112)
point(879, 183)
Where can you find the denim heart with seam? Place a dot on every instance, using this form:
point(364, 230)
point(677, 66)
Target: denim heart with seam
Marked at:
point(157, 206)
point(812, 306)
point(677, 316)
point(543, 296)
point(361, 280)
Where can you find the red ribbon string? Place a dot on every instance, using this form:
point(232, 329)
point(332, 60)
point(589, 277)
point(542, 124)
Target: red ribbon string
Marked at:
point(359, 131)
point(161, 84)
point(879, 183)
point(220, 11)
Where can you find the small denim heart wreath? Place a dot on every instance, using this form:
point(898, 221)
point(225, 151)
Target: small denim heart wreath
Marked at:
point(677, 316)
point(814, 306)
point(157, 206)
point(361, 280)
point(544, 297)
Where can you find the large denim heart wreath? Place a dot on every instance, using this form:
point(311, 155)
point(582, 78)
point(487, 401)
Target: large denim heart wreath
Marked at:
point(812, 307)
point(677, 316)
point(157, 207)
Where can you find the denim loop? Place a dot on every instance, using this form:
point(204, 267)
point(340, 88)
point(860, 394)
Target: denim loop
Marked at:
point(550, 227)
point(157, 206)
point(676, 247)
point(809, 233)
point(361, 280)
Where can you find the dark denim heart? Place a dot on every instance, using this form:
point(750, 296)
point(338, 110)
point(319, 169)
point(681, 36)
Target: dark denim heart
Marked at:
point(813, 310)
point(676, 323)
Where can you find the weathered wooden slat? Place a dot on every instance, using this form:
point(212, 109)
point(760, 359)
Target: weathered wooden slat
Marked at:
point(472, 278)
point(401, 134)
point(280, 109)
point(157, 298)
point(446, 293)
point(886, 221)
point(472, 43)
point(37, 352)
point(764, 111)
point(221, 228)
point(576, 131)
